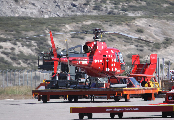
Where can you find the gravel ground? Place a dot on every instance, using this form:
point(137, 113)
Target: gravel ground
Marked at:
point(31, 109)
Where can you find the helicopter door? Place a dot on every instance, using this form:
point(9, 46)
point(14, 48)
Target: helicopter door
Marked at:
point(105, 68)
point(109, 64)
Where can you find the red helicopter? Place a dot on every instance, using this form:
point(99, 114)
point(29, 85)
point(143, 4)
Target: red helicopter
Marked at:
point(98, 61)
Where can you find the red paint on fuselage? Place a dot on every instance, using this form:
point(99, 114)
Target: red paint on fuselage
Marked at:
point(100, 61)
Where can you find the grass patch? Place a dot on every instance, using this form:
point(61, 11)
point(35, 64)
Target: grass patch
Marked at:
point(4, 63)
point(167, 42)
point(4, 39)
point(157, 45)
point(153, 7)
point(16, 92)
point(139, 30)
point(117, 2)
point(26, 58)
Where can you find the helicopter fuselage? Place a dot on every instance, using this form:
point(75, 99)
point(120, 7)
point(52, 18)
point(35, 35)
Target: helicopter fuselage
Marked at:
point(101, 61)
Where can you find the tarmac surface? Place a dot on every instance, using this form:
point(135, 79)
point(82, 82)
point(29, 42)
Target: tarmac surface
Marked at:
point(59, 109)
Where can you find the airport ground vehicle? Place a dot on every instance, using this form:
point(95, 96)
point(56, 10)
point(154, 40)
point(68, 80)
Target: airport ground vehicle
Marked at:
point(111, 93)
point(166, 108)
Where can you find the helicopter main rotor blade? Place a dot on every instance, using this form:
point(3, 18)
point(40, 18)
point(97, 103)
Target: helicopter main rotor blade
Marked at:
point(59, 33)
point(96, 32)
point(130, 36)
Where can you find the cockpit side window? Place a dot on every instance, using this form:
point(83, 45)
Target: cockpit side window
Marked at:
point(116, 57)
point(120, 57)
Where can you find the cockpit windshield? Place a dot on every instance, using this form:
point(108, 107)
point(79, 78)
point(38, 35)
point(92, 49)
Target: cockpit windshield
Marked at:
point(116, 60)
point(120, 57)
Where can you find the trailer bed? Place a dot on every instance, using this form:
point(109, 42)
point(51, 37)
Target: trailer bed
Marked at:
point(166, 109)
point(148, 93)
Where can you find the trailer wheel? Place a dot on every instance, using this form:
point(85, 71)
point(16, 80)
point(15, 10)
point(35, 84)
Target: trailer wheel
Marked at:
point(127, 99)
point(116, 98)
point(145, 97)
point(76, 98)
point(70, 98)
point(44, 98)
point(112, 115)
point(164, 115)
point(81, 115)
point(120, 115)
point(89, 115)
point(172, 116)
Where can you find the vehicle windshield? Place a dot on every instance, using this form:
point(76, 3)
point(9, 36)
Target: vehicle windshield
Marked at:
point(135, 82)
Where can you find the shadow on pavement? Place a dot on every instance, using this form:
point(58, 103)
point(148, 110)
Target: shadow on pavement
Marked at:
point(124, 118)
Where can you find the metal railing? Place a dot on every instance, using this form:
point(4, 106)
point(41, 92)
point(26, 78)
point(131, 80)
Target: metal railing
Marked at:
point(30, 78)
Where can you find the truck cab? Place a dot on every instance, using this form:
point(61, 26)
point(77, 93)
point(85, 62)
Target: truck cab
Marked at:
point(170, 96)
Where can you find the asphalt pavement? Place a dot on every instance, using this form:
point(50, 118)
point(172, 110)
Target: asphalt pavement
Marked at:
point(59, 109)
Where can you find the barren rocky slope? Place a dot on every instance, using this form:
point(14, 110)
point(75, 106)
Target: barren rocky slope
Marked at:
point(52, 8)
point(21, 36)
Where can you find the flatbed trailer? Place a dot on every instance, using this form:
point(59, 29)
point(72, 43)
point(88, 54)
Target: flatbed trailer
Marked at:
point(166, 109)
point(117, 93)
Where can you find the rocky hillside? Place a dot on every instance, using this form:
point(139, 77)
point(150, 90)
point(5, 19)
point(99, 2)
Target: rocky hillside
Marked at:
point(62, 8)
point(24, 27)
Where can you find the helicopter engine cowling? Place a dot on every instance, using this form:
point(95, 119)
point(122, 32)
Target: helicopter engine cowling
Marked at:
point(86, 49)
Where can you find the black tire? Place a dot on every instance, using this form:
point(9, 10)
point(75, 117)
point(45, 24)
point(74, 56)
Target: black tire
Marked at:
point(172, 116)
point(126, 100)
point(76, 98)
point(44, 98)
point(120, 115)
point(143, 83)
point(145, 96)
point(164, 115)
point(112, 115)
point(70, 98)
point(116, 98)
point(81, 115)
point(89, 115)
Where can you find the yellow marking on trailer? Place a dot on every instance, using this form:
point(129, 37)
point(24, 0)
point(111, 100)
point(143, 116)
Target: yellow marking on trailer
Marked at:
point(78, 107)
point(70, 110)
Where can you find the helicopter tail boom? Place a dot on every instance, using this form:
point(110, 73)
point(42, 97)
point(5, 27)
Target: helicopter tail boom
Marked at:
point(54, 52)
